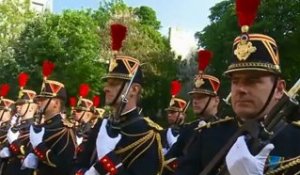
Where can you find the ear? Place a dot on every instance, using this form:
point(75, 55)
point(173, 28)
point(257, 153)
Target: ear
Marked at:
point(217, 100)
point(281, 86)
point(135, 89)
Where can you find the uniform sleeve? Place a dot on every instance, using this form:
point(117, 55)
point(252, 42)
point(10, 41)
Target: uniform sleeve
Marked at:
point(175, 153)
point(86, 152)
point(17, 148)
point(148, 163)
point(61, 154)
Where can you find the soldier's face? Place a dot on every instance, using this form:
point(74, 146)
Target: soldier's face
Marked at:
point(42, 102)
point(250, 91)
point(172, 117)
point(199, 102)
point(82, 116)
point(111, 89)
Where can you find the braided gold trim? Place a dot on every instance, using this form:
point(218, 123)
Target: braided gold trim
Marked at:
point(202, 91)
point(48, 159)
point(160, 152)
point(117, 75)
point(210, 124)
point(151, 136)
point(291, 163)
point(136, 143)
point(253, 66)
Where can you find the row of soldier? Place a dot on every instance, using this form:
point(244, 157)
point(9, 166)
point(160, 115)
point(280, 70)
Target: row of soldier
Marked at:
point(36, 138)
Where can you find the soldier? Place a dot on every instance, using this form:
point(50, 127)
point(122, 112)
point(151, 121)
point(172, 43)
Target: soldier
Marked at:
point(85, 114)
point(6, 113)
point(126, 142)
point(256, 87)
point(52, 140)
point(200, 140)
point(175, 117)
point(18, 135)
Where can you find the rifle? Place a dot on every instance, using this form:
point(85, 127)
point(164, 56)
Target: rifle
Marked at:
point(258, 134)
point(225, 108)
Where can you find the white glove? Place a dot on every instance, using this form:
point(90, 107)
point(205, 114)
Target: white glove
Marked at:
point(12, 136)
point(13, 120)
point(31, 161)
point(91, 171)
point(104, 142)
point(171, 138)
point(165, 151)
point(5, 153)
point(79, 140)
point(240, 161)
point(36, 138)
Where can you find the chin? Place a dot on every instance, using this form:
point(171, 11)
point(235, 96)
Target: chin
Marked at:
point(246, 114)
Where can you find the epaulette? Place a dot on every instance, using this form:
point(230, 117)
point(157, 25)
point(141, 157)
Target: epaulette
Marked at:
point(204, 124)
point(191, 123)
point(152, 124)
point(68, 123)
point(296, 123)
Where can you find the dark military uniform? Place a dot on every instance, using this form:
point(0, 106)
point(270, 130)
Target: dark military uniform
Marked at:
point(139, 151)
point(21, 146)
point(86, 153)
point(259, 53)
point(56, 151)
point(285, 158)
point(175, 132)
point(189, 155)
point(208, 140)
point(3, 143)
point(176, 105)
point(6, 105)
point(19, 149)
point(140, 144)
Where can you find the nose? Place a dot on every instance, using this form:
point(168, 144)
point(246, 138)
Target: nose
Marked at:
point(240, 88)
point(18, 108)
point(105, 88)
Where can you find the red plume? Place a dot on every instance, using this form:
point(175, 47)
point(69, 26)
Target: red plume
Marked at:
point(118, 34)
point(96, 101)
point(48, 67)
point(246, 11)
point(4, 89)
point(175, 87)
point(204, 57)
point(72, 101)
point(84, 90)
point(22, 79)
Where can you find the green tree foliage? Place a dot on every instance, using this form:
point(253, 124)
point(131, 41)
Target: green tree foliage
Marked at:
point(278, 19)
point(78, 42)
point(71, 41)
point(147, 16)
point(145, 43)
point(14, 16)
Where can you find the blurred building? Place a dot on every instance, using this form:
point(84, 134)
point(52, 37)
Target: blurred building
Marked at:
point(182, 43)
point(41, 5)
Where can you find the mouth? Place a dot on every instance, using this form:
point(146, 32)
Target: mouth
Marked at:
point(243, 102)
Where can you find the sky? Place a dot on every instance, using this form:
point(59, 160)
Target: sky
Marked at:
point(187, 15)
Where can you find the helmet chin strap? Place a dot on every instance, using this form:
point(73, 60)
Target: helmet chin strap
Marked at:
point(80, 118)
point(206, 105)
point(2, 115)
point(269, 97)
point(119, 93)
point(25, 111)
point(42, 111)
